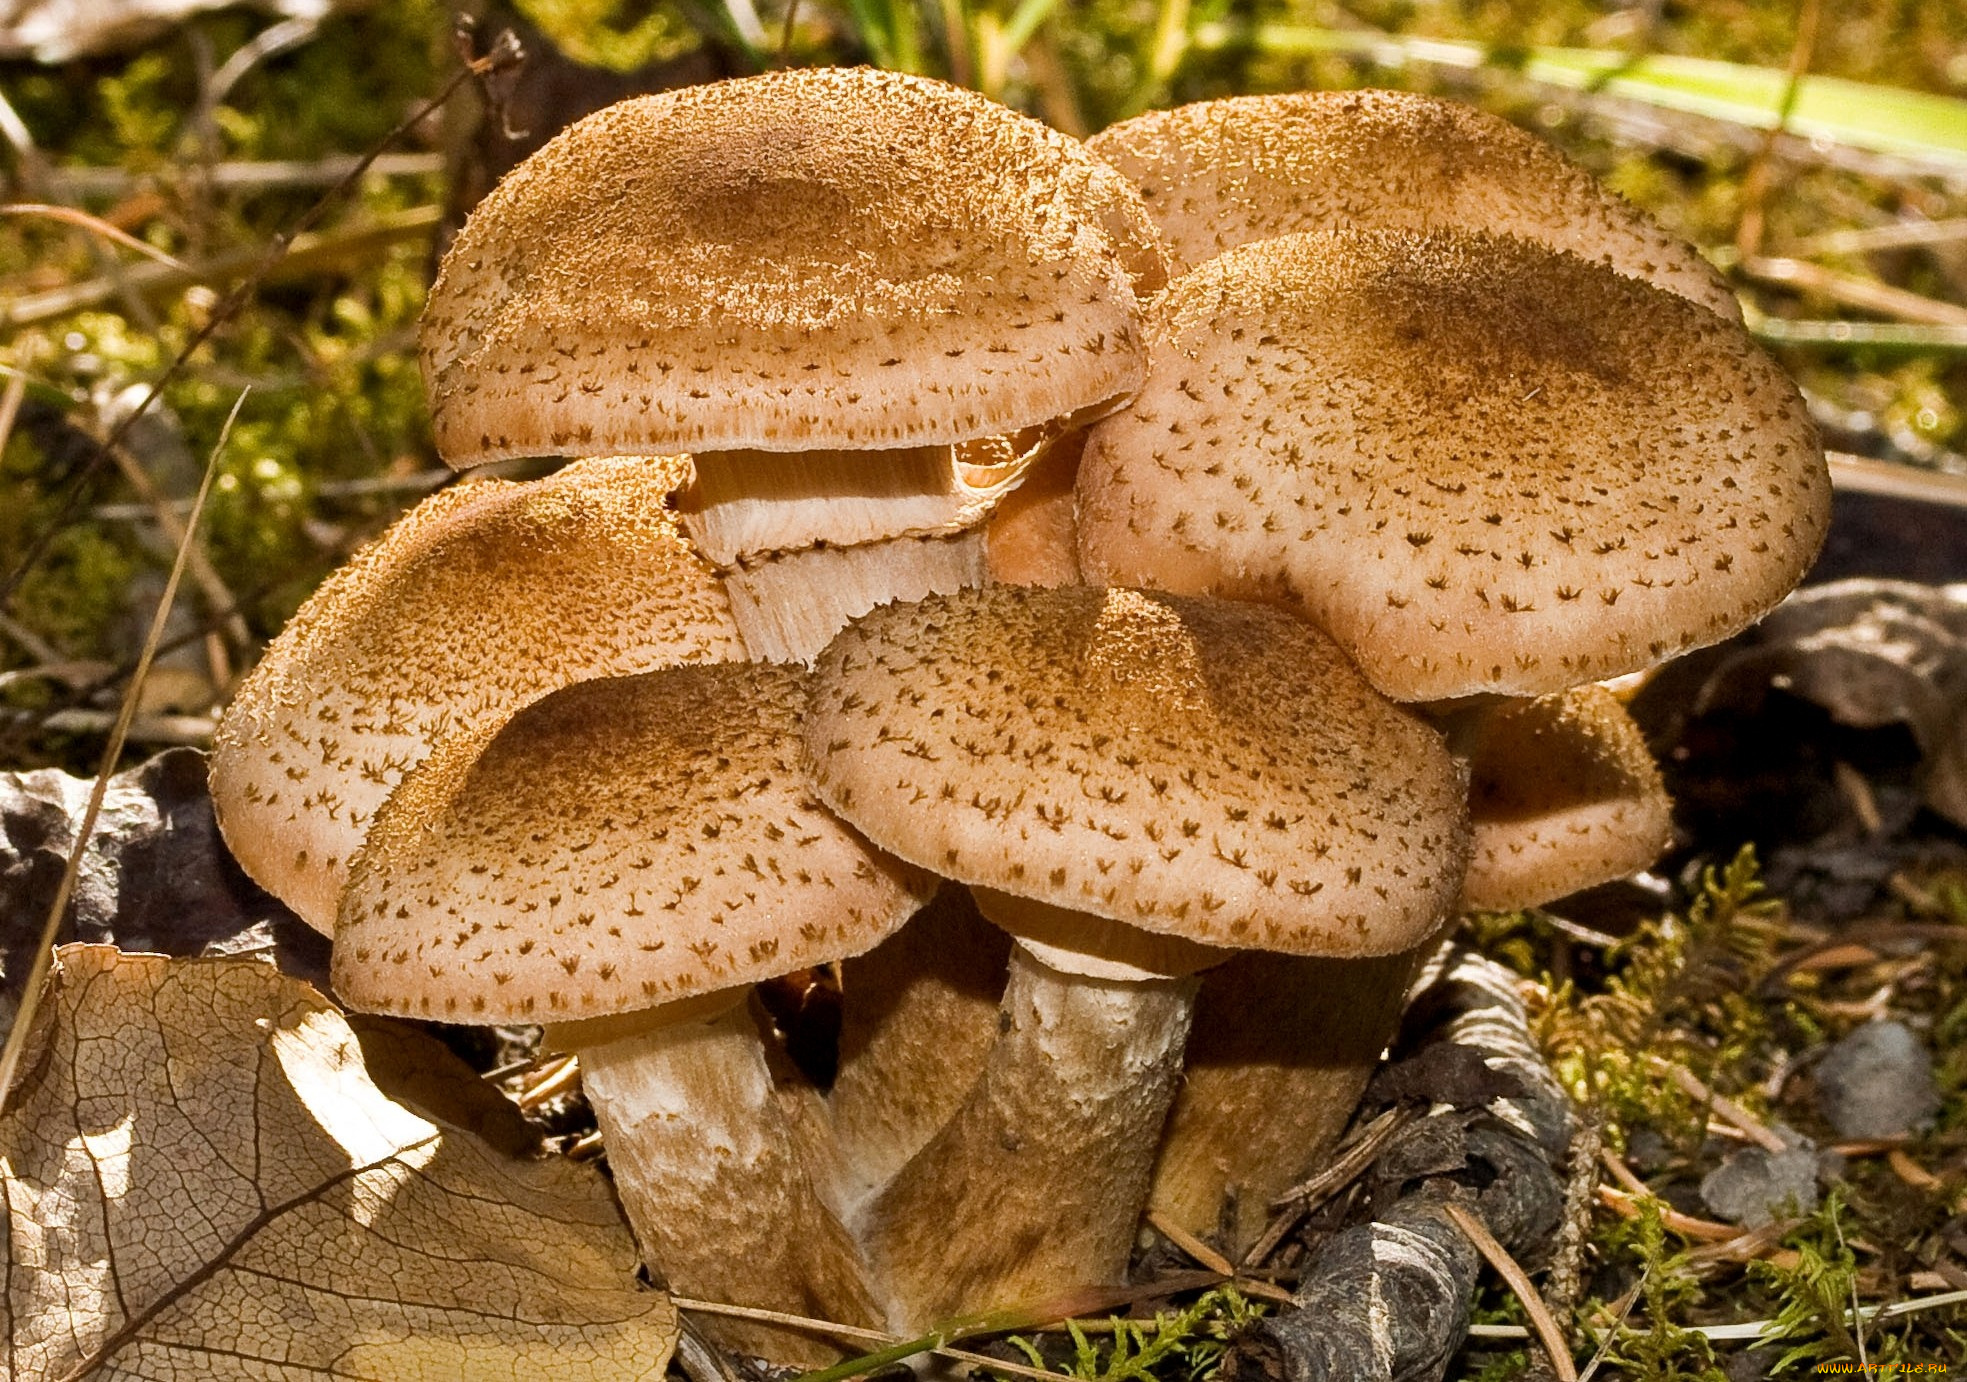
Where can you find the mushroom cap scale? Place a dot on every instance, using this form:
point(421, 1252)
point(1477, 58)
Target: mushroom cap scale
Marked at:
point(810, 259)
point(617, 845)
point(1482, 465)
point(1218, 174)
point(1195, 768)
point(480, 599)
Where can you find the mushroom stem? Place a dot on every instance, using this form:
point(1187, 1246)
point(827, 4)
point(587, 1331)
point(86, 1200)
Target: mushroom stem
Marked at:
point(1281, 1050)
point(790, 604)
point(707, 1169)
point(918, 1015)
point(1061, 1124)
point(811, 539)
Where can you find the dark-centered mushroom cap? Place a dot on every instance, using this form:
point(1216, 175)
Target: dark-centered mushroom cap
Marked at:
point(1564, 795)
point(482, 598)
point(1197, 768)
point(617, 845)
point(809, 259)
point(1478, 463)
point(1218, 174)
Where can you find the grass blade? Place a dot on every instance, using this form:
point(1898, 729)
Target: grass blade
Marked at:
point(37, 977)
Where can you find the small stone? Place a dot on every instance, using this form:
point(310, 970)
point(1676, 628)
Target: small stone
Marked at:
point(1756, 1186)
point(1877, 1083)
point(1648, 1151)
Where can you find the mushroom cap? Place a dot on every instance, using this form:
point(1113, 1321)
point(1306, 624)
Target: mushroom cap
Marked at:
point(808, 259)
point(1218, 174)
point(1482, 465)
point(482, 598)
point(615, 846)
point(1564, 795)
point(1194, 768)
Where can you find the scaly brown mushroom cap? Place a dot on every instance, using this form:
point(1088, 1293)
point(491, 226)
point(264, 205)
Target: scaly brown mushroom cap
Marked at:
point(1198, 768)
point(1478, 463)
point(1564, 795)
point(616, 846)
point(480, 599)
point(1218, 174)
point(804, 260)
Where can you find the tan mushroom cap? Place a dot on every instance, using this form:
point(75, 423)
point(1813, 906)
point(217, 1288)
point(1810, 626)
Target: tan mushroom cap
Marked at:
point(832, 258)
point(1564, 796)
point(482, 598)
point(616, 846)
point(1196, 768)
point(1218, 174)
point(1480, 464)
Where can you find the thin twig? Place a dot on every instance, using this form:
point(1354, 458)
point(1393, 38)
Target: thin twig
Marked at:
point(1353, 1158)
point(33, 643)
point(1892, 236)
point(1686, 1225)
point(194, 731)
point(1751, 1331)
point(701, 1360)
point(562, 1076)
point(1565, 1280)
point(1189, 1243)
point(1853, 290)
point(37, 975)
point(76, 184)
point(1755, 187)
point(503, 53)
point(304, 255)
point(1548, 1332)
point(218, 596)
point(1620, 1314)
point(1727, 1109)
point(1894, 479)
point(68, 215)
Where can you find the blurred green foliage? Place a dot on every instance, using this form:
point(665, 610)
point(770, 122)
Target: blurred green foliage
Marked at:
point(333, 439)
point(336, 401)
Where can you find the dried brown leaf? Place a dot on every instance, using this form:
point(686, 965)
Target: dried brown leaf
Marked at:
point(201, 1180)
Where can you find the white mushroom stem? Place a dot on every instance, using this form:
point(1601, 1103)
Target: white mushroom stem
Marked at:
point(1061, 1124)
point(1281, 1050)
point(811, 539)
point(789, 605)
point(918, 1016)
point(708, 1172)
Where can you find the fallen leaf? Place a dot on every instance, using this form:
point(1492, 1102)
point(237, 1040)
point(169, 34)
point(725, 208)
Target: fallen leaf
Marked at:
point(201, 1180)
point(156, 875)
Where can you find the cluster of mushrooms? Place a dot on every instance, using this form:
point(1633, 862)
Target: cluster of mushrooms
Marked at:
point(1081, 589)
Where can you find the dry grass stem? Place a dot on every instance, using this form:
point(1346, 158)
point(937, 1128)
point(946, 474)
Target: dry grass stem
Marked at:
point(78, 184)
point(97, 225)
point(44, 953)
point(1730, 1112)
point(1353, 1157)
point(1852, 290)
point(307, 254)
point(1548, 1332)
point(217, 595)
point(1686, 1225)
point(550, 1081)
point(1190, 1244)
point(1856, 791)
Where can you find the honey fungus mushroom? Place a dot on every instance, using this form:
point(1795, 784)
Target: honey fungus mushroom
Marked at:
point(627, 857)
point(482, 598)
point(862, 301)
point(1563, 795)
point(1480, 464)
point(1219, 174)
point(1129, 783)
